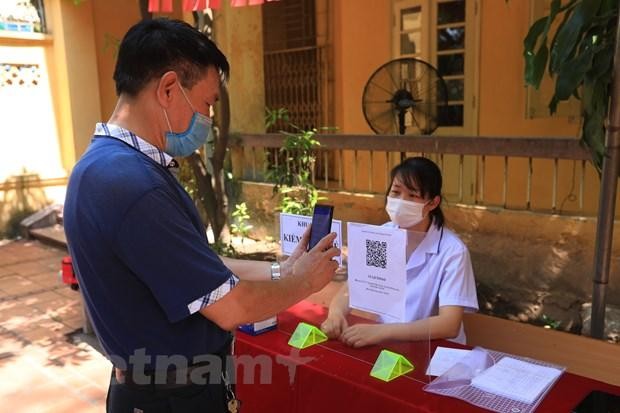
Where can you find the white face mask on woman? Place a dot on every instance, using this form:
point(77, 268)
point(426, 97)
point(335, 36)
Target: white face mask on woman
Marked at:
point(404, 213)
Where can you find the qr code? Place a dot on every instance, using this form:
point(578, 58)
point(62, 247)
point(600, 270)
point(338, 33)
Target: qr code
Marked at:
point(376, 253)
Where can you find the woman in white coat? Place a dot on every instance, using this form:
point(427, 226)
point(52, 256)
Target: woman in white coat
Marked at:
point(440, 279)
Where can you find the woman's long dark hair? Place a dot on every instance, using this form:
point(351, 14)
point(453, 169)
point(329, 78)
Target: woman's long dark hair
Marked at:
point(422, 174)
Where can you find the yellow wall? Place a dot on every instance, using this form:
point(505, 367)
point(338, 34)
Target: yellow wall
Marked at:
point(64, 105)
point(502, 99)
point(81, 57)
point(502, 92)
point(362, 43)
point(361, 40)
point(239, 34)
point(75, 75)
point(503, 112)
point(78, 57)
point(112, 19)
point(31, 151)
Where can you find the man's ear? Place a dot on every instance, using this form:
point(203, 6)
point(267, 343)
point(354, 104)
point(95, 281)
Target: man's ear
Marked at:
point(166, 88)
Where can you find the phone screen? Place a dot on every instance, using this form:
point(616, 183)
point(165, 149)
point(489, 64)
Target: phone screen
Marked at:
point(599, 402)
point(321, 223)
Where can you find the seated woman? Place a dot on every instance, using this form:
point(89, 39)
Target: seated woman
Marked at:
point(440, 279)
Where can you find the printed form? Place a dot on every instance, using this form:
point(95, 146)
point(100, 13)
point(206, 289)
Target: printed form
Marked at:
point(516, 379)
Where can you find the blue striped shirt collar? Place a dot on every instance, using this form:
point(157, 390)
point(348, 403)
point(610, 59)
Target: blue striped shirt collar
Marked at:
point(133, 140)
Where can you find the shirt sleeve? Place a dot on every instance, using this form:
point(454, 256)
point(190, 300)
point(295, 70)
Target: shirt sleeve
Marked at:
point(458, 286)
point(164, 248)
point(214, 295)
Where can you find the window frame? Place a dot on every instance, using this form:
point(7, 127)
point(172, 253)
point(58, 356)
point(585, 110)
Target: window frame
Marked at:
point(430, 54)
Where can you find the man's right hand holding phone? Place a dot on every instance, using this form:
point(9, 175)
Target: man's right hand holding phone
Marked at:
point(314, 268)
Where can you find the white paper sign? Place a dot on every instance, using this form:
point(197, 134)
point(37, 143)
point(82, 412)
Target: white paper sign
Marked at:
point(292, 228)
point(377, 273)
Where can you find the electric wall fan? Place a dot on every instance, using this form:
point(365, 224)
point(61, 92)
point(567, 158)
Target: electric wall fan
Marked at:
point(404, 96)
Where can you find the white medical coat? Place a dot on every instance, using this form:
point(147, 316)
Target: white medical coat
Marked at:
point(439, 273)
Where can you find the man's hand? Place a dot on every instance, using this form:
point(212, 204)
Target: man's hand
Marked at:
point(361, 335)
point(334, 325)
point(286, 267)
point(306, 273)
point(317, 267)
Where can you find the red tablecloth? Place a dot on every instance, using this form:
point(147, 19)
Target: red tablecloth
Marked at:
point(332, 377)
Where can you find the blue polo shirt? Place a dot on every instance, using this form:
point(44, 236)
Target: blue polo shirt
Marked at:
point(141, 255)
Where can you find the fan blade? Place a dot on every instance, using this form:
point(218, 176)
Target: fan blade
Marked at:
point(389, 92)
point(427, 92)
point(415, 121)
point(396, 85)
point(427, 121)
point(423, 71)
point(382, 122)
point(425, 108)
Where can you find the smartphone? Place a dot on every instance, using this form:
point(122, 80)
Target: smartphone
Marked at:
point(598, 402)
point(321, 223)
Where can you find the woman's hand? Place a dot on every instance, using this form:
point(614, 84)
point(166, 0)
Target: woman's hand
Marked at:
point(334, 325)
point(360, 335)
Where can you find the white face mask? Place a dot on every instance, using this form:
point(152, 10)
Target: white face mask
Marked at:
point(403, 213)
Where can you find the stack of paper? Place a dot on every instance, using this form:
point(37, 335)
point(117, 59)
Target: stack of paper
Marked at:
point(516, 379)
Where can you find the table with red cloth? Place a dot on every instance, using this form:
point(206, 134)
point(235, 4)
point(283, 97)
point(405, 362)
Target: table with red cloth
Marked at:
point(331, 377)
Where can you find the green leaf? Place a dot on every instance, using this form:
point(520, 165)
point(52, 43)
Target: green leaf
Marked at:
point(568, 5)
point(602, 63)
point(553, 104)
point(593, 137)
point(593, 132)
point(567, 13)
point(554, 8)
point(569, 32)
point(538, 66)
point(535, 63)
point(571, 75)
point(532, 36)
point(609, 6)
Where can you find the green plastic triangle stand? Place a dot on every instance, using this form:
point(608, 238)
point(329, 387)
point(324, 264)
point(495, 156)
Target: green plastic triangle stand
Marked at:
point(390, 365)
point(306, 335)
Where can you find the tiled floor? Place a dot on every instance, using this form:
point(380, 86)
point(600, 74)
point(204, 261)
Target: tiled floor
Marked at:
point(43, 368)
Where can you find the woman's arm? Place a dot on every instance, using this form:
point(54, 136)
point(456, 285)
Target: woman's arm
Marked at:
point(444, 325)
point(340, 303)
point(336, 321)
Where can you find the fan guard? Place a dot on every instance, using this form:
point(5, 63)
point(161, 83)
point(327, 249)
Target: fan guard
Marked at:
point(404, 96)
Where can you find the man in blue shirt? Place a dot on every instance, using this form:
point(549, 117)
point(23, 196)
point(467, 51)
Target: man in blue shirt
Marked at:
point(153, 288)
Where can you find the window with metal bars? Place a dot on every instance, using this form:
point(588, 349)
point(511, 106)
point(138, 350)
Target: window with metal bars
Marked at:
point(292, 62)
